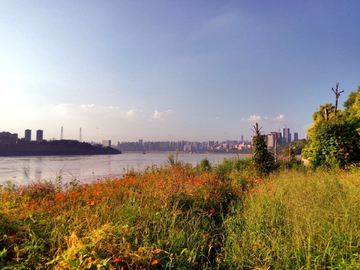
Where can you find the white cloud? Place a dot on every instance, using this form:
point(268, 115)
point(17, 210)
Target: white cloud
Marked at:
point(162, 116)
point(259, 118)
point(132, 112)
point(280, 117)
point(254, 118)
point(85, 106)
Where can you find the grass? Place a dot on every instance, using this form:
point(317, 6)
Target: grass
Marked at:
point(184, 217)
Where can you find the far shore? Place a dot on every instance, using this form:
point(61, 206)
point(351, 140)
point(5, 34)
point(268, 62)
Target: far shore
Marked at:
point(182, 152)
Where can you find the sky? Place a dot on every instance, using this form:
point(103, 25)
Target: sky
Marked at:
point(173, 70)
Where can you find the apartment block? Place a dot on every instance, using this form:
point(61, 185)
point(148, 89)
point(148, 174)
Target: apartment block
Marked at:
point(39, 135)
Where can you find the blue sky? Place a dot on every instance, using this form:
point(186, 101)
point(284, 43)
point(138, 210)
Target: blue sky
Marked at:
point(173, 70)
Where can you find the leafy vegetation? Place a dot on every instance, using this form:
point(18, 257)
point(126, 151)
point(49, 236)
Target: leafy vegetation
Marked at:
point(337, 146)
point(263, 161)
point(334, 135)
point(184, 217)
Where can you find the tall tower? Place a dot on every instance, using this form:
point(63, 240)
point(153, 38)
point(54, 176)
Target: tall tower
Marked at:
point(286, 135)
point(39, 135)
point(28, 135)
point(61, 137)
point(80, 139)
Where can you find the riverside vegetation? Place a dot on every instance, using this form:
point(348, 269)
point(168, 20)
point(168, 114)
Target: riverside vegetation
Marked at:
point(222, 216)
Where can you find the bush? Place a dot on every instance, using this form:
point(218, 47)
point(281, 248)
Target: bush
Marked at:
point(336, 146)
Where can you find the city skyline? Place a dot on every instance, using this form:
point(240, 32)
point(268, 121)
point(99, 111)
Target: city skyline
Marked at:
point(161, 70)
point(138, 145)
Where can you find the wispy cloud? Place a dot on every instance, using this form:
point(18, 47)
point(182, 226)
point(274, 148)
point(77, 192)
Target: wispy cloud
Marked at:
point(133, 112)
point(279, 118)
point(162, 116)
point(259, 118)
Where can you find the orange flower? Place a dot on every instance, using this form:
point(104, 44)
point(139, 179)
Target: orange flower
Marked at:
point(116, 260)
point(154, 262)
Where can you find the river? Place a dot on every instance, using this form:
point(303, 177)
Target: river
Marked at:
point(23, 170)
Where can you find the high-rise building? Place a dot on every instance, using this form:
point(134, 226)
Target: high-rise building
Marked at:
point(39, 135)
point(242, 138)
point(296, 136)
point(28, 135)
point(271, 140)
point(286, 135)
point(106, 143)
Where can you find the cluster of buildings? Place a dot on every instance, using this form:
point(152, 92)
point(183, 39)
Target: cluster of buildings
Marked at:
point(274, 137)
point(7, 137)
point(271, 139)
point(280, 138)
point(12, 137)
point(182, 145)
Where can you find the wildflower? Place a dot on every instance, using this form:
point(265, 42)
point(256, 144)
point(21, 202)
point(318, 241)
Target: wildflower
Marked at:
point(207, 234)
point(212, 211)
point(116, 260)
point(154, 262)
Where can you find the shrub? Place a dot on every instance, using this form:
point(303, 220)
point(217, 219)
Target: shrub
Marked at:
point(336, 145)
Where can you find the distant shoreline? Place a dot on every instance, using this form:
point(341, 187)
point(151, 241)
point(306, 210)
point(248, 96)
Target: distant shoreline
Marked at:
point(182, 152)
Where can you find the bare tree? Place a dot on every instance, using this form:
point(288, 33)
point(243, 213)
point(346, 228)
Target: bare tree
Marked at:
point(337, 95)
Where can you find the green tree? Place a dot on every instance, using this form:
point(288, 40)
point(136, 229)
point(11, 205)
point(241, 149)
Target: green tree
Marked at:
point(262, 159)
point(352, 108)
point(322, 116)
point(336, 145)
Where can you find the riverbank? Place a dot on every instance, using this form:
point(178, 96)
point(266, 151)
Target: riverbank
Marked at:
point(183, 217)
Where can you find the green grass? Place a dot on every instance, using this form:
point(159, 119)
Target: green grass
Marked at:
point(183, 217)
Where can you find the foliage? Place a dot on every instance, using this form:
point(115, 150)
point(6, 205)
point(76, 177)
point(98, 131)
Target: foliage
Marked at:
point(162, 218)
point(352, 108)
point(350, 114)
point(297, 147)
point(263, 161)
point(176, 217)
point(336, 145)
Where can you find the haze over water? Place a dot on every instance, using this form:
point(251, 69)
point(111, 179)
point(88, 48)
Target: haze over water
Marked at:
point(23, 170)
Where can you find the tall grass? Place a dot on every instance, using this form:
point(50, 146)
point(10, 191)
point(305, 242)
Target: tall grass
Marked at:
point(297, 221)
point(183, 217)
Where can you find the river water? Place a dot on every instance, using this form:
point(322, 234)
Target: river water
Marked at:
point(23, 170)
